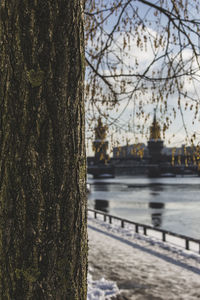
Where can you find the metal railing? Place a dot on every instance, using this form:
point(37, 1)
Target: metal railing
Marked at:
point(144, 229)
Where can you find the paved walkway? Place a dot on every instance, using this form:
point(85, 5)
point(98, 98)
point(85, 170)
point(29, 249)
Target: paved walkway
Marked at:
point(142, 270)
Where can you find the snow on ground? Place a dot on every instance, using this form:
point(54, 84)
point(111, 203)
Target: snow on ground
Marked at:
point(142, 267)
point(101, 289)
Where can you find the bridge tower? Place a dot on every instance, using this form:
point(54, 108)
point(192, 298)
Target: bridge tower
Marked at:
point(100, 145)
point(155, 144)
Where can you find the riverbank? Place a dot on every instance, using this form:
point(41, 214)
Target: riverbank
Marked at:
point(141, 267)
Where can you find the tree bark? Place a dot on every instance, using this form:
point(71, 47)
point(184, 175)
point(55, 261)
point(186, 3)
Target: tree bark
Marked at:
point(43, 234)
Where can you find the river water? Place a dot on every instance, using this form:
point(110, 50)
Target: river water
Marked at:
point(168, 203)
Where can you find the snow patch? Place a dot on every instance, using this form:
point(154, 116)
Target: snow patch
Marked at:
point(101, 289)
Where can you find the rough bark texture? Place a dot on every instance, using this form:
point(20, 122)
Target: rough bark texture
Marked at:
point(43, 238)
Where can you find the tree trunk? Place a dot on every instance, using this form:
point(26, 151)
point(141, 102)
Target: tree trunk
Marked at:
point(43, 234)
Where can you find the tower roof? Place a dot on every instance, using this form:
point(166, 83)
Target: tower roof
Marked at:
point(100, 130)
point(155, 129)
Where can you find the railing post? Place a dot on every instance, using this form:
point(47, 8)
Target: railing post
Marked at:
point(110, 219)
point(164, 237)
point(104, 218)
point(187, 244)
point(136, 228)
point(122, 223)
point(95, 215)
point(145, 230)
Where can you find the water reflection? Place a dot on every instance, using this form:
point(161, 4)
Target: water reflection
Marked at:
point(156, 210)
point(102, 205)
point(101, 186)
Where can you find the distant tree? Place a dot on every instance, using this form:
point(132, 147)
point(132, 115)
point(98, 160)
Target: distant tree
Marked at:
point(43, 238)
point(165, 34)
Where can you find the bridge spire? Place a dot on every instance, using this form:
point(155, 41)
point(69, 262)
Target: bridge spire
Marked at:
point(155, 129)
point(155, 144)
point(100, 145)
